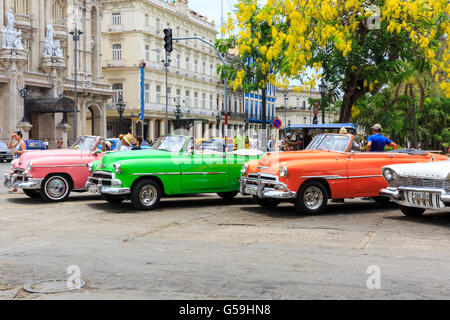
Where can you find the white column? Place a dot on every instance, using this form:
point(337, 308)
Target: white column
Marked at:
point(198, 130)
point(162, 131)
point(207, 131)
point(151, 130)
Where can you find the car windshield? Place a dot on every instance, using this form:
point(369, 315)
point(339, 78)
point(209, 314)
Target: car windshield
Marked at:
point(3, 145)
point(330, 142)
point(170, 143)
point(84, 144)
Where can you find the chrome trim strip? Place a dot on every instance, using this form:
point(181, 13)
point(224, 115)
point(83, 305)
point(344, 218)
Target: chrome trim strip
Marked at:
point(177, 173)
point(59, 166)
point(201, 173)
point(157, 174)
point(336, 177)
point(324, 177)
point(360, 177)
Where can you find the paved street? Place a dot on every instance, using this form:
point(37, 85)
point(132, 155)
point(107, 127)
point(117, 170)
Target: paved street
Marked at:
point(199, 248)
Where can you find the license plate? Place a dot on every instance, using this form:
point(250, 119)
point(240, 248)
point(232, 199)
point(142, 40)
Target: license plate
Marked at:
point(421, 196)
point(251, 191)
point(425, 200)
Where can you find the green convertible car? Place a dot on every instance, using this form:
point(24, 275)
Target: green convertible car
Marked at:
point(172, 166)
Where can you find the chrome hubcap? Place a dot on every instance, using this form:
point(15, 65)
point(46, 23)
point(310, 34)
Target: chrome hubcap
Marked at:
point(56, 188)
point(148, 195)
point(313, 198)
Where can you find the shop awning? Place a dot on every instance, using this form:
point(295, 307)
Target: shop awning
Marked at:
point(50, 105)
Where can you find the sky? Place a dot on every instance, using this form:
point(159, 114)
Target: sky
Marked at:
point(212, 9)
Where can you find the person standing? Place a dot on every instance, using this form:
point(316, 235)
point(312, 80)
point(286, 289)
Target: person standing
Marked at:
point(19, 147)
point(306, 138)
point(60, 143)
point(137, 142)
point(377, 141)
point(126, 141)
point(240, 141)
point(119, 143)
point(254, 143)
point(46, 144)
point(106, 146)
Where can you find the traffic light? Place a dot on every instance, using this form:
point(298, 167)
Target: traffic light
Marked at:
point(168, 40)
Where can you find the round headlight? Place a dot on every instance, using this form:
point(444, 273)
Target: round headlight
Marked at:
point(244, 169)
point(30, 167)
point(388, 174)
point(283, 172)
point(90, 167)
point(117, 168)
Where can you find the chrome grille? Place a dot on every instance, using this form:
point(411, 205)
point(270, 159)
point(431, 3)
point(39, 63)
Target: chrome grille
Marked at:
point(103, 178)
point(103, 175)
point(263, 176)
point(423, 182)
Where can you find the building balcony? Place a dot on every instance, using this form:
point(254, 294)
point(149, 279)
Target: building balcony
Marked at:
point(114, 28)
point(60, 31)
point(22, 20)
point(115, 63)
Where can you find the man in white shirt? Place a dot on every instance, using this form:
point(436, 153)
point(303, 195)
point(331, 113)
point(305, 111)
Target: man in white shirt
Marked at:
point(127, 140)
point(254, 143)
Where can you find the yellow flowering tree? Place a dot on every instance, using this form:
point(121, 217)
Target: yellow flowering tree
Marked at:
point(357, 46)
point(259, 55)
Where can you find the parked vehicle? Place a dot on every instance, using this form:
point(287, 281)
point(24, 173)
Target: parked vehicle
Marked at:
point(217, 144)
point(35, 145)
point(315, 129)
point(53, 174)
point(171, 167)
point(418, 187)
point(331, 168)
point(5, 153)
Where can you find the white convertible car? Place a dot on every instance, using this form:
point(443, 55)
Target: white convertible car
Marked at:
point(419, 186)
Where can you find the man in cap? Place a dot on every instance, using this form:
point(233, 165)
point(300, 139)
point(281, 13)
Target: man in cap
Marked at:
point(377, 141)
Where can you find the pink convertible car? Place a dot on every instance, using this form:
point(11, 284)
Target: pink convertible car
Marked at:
point(53, 174)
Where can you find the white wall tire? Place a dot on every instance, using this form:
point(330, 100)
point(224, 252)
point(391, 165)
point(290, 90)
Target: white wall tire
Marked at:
point(55, 188)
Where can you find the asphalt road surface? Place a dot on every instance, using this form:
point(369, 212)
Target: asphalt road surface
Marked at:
point(200, 247)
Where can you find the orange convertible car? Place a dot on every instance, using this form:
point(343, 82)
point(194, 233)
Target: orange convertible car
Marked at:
point(332, 167)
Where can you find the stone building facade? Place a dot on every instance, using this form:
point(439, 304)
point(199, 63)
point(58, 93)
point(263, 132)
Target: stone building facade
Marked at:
point(45, 68)
point(132, 33)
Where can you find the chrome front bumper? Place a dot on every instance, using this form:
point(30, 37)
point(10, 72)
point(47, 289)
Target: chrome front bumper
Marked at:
point(105, 186)
point(21, 181)
point(439, 199)
point(265, 186)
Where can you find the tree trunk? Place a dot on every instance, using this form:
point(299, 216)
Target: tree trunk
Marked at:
point(351, 95)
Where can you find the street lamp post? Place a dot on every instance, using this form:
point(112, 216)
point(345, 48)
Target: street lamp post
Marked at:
point(76, 37)
point(323, 93)
point(285, 106)
point(24, 94)
point(178, 116)
point(120, 105)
